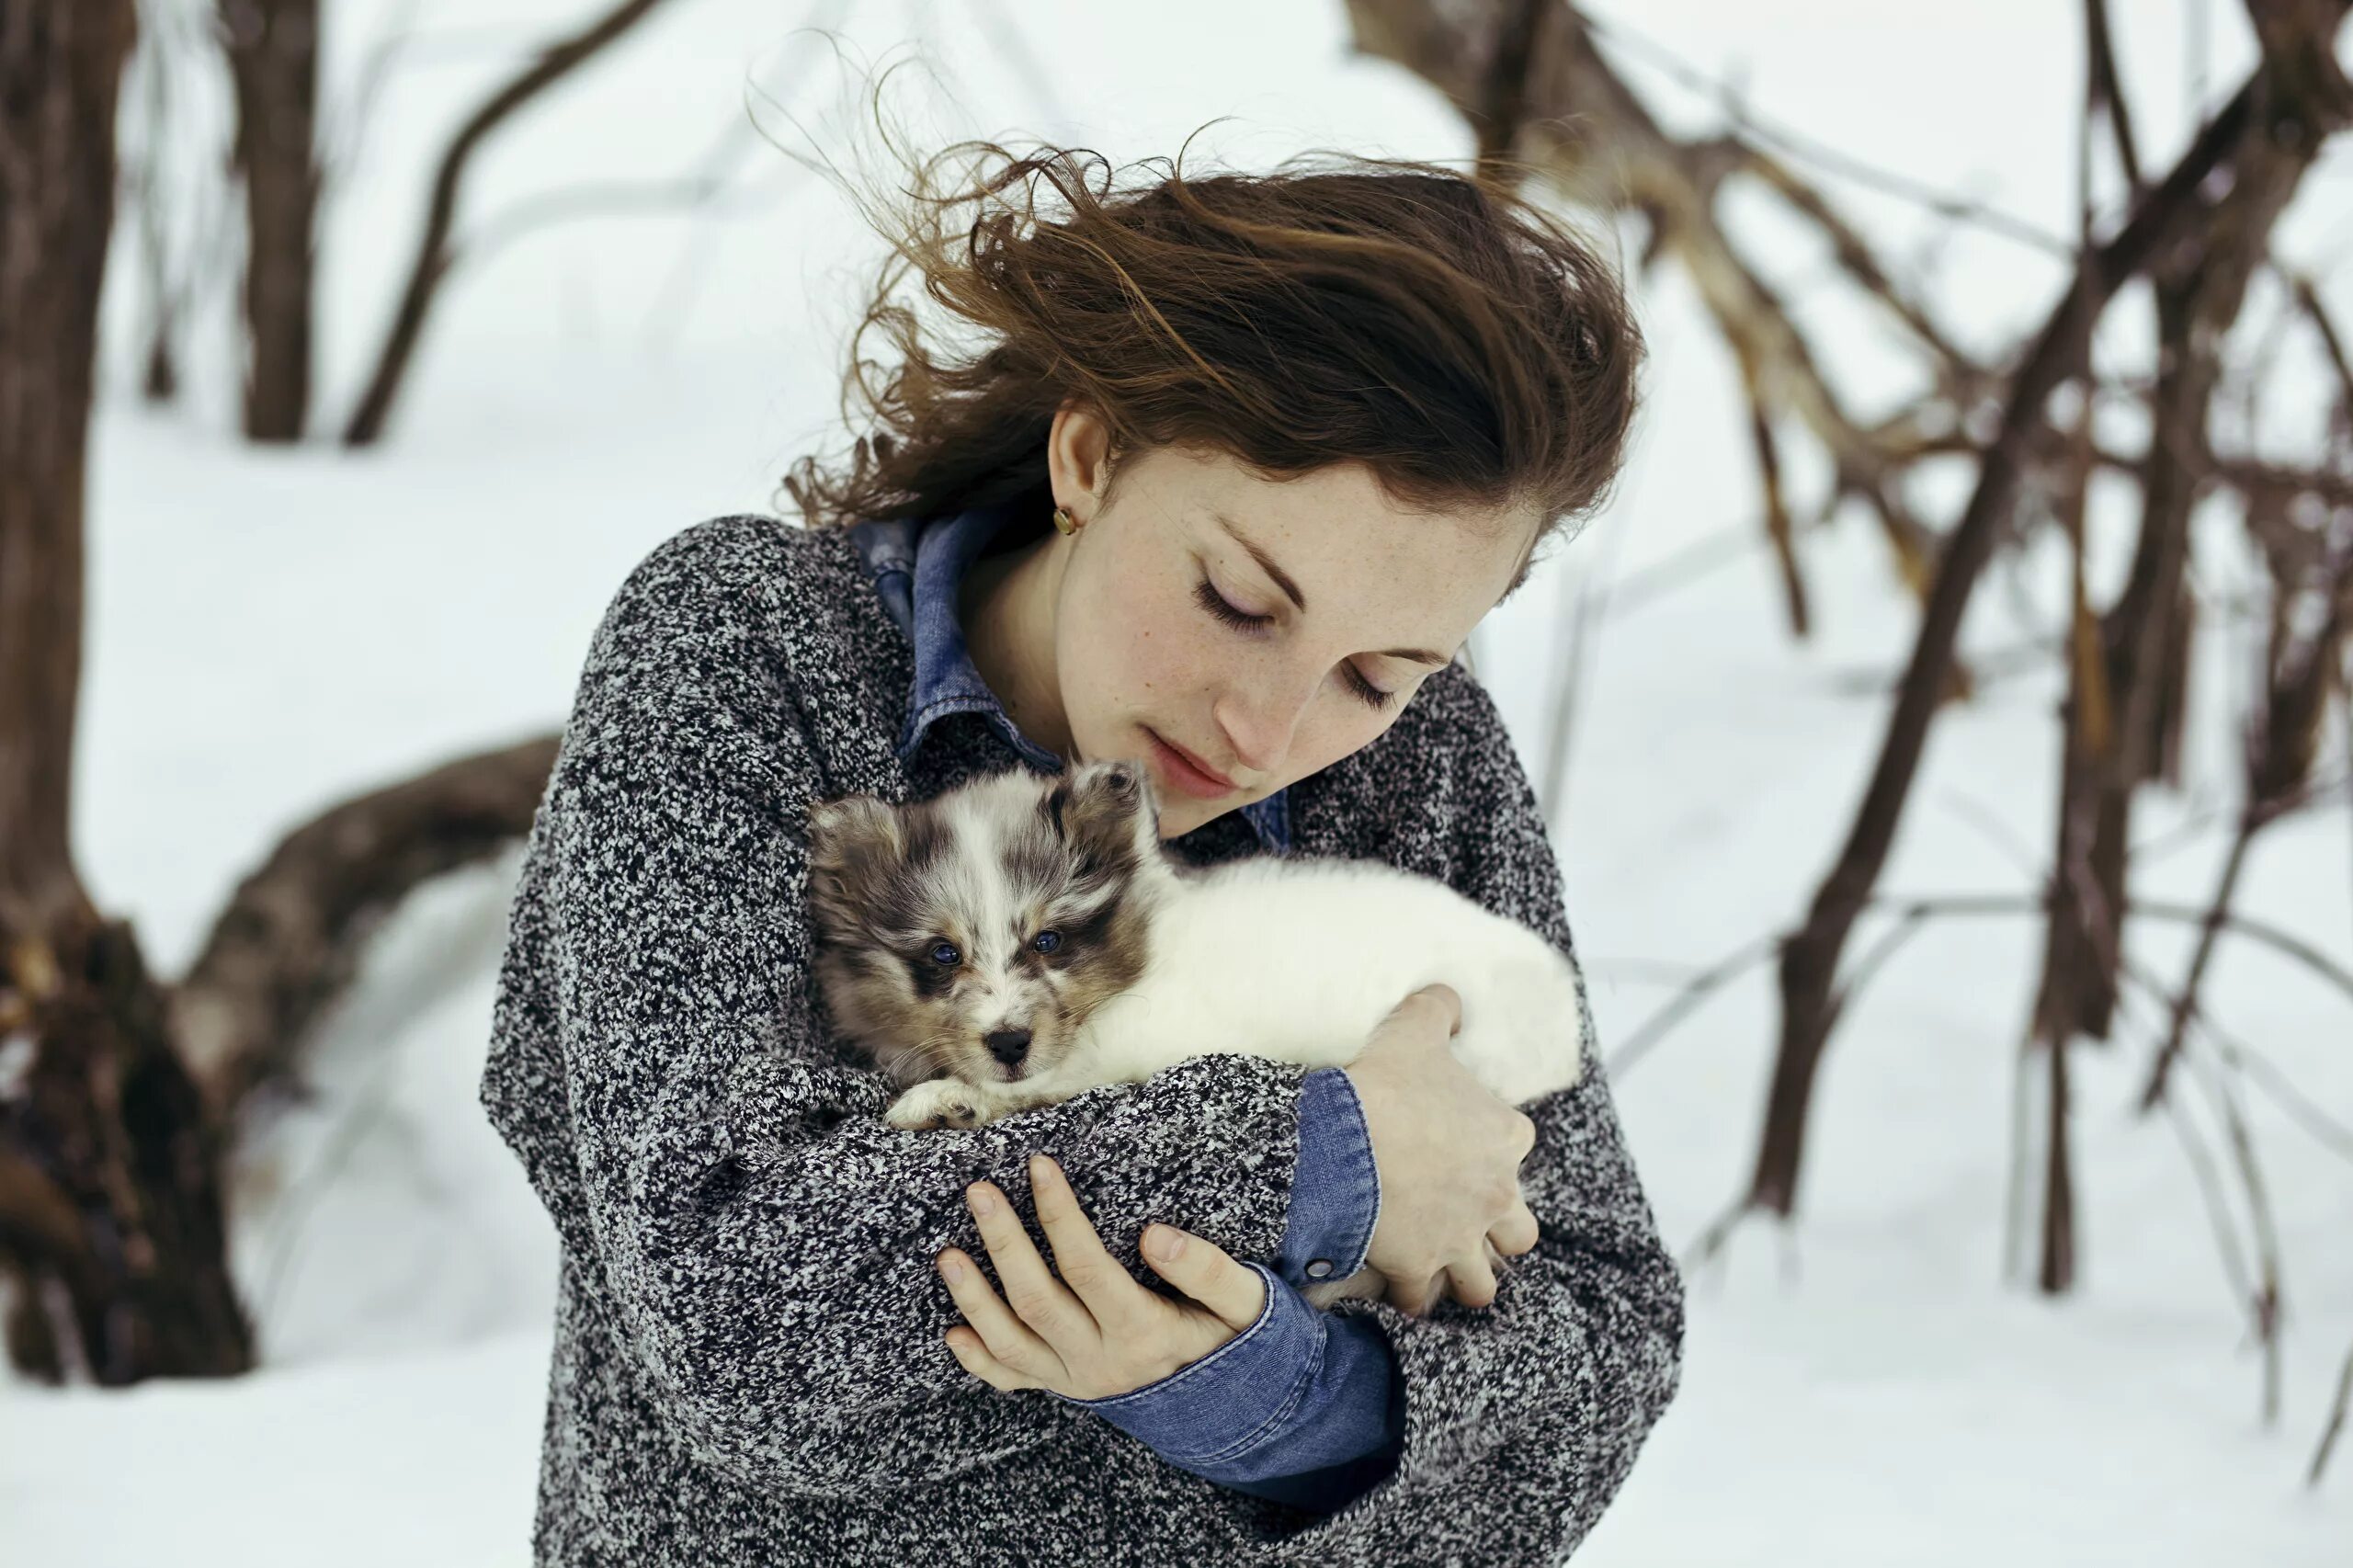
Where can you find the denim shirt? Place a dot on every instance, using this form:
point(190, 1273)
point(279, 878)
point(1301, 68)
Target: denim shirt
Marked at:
point(1301, 1406)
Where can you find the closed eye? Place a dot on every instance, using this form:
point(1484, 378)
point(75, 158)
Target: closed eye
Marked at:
point(1205, 593)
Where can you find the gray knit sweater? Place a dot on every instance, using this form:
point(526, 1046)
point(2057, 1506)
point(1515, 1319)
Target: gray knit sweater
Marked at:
point(748, 1363)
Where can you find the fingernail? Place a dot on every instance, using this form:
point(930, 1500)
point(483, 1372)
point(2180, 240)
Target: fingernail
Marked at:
point(951, 1266)
point(983, 1201)
point(1166, 1244)
point(1043, 1169)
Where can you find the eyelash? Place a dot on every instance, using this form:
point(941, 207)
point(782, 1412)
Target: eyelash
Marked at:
point(1215, 603)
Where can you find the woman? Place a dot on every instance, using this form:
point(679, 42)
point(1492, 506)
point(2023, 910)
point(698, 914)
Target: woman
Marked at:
point(1236, 466)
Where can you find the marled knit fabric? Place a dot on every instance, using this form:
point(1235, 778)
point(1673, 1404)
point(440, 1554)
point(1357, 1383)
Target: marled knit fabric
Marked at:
point(748, 1363)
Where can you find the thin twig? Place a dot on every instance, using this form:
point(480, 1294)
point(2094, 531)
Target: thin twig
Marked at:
point(596, 198)
point(431, 264)
point(2299, 1108)
point(1829, 159)
point(2264, 1302)
point(2109, 89)
point(1684, 1001)
point(2268, 1301)
point(2184, 1001)
point(2332, 344)
point(1707, 981)
point(2336, 1426)
point(2284, 942)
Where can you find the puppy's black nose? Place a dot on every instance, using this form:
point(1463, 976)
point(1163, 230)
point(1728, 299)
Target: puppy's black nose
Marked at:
point(1008, 1046)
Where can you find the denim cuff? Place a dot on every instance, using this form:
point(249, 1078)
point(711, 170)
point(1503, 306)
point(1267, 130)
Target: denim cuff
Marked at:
point(1219, 1407)
point(1336, 1192)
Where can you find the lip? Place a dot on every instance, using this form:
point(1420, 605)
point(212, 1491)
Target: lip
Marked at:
point(1185, 773)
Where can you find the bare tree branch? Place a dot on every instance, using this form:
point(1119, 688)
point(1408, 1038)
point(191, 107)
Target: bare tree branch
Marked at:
point(433, 258)
point(2336, 1424)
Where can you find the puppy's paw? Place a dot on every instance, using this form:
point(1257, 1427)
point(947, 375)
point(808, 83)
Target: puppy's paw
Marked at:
point(941, 1102)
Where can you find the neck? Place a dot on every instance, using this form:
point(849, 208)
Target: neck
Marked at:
point(1006, 605)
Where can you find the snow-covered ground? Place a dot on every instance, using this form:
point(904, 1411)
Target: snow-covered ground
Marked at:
point(272, 631)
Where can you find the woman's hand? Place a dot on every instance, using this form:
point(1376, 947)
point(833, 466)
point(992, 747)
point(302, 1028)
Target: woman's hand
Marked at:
point(1447, 1152)
point(1095, 1332)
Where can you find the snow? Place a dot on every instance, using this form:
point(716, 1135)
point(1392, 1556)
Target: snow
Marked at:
point(271, 631)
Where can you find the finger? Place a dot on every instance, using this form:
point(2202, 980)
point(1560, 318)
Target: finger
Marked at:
point(1472, 1281)
point(1516, 1232)
point(1109, 1291)
point(1003, 1336)
point(1031, 1288)
point(1031, 1291)
point(1234, 1291)
point(974, 1357)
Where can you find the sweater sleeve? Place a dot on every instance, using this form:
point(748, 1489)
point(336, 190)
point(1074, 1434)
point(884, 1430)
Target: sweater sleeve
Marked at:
point(767, 1240)
point(1546, 1395)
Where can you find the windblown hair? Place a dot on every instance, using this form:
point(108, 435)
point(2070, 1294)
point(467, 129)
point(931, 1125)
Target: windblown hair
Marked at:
point(1467, 347)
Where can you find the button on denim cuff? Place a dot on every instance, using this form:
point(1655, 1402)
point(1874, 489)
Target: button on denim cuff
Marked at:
point(1336, 1192)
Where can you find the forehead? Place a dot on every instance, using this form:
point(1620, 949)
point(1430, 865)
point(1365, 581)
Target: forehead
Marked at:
point(1000, 850)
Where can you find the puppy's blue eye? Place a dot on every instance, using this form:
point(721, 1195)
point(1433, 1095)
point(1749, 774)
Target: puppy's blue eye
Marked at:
point(1046, 941)
point(946, 953)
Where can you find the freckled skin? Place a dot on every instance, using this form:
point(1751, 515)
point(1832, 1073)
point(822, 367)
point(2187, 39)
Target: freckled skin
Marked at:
point(1092, 638)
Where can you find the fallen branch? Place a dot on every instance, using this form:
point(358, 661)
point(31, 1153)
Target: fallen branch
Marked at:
point(289, 937)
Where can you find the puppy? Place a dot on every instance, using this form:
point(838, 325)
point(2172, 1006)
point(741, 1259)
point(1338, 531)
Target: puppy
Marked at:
point(1022, 938)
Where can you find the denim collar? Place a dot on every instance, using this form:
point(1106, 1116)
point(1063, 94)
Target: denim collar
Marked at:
point(917, 564)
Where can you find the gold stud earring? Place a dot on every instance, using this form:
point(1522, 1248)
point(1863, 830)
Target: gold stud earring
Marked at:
point(1064, 523)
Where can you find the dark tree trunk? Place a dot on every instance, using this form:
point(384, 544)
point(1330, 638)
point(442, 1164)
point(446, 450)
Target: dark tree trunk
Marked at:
point(118, 1095)
point(274, 59)
point(111, 1231)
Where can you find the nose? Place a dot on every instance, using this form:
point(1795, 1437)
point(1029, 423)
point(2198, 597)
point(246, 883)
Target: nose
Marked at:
point(1008, 1046)
point(1259, 723)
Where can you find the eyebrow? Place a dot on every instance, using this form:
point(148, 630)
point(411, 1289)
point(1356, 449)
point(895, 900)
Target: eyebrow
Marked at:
point(1291, 590)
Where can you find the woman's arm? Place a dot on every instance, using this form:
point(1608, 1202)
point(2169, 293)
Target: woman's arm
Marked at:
point(1548, 1394)
point(766, 1240)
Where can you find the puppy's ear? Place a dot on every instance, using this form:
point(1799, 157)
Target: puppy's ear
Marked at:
point(853, 826)
point(1106, 808)
point(852, 843)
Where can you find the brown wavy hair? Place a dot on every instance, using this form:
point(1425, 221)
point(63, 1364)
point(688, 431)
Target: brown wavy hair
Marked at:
point(1469, 348)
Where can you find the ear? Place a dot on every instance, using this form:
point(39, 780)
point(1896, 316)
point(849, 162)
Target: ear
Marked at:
point(1107, 807)
point(855, 824)
point(850, 840)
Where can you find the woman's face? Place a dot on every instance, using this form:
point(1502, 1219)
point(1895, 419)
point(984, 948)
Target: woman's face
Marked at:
point(1235, 635)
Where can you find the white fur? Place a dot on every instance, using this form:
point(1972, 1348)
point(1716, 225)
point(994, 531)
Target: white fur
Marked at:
point(1301, 961)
